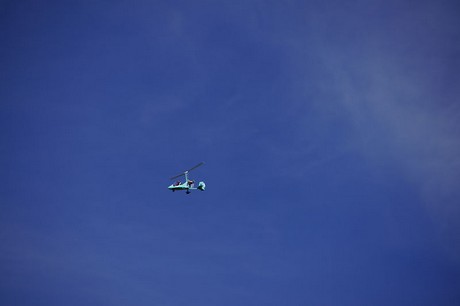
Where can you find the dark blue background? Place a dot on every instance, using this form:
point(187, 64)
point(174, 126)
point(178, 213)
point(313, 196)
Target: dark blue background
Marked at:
point(329, 130)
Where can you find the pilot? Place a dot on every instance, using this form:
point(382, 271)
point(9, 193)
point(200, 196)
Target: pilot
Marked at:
point(177, 183)
point(190, 183)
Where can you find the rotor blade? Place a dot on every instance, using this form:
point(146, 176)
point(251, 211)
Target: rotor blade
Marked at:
point(182, 174)
point(200, 164)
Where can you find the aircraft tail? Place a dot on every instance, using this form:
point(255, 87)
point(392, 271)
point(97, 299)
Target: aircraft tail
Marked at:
point(201, 186)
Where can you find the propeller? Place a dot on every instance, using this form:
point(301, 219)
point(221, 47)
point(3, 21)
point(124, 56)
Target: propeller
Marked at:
point(200, 164)
point(187, 171)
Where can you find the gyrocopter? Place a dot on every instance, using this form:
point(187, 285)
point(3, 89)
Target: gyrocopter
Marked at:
point(188, 184)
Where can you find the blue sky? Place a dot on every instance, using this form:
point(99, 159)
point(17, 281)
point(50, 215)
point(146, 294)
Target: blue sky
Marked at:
point(330, 132)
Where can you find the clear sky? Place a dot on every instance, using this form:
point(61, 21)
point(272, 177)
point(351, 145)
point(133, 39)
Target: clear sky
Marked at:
point(330, 132)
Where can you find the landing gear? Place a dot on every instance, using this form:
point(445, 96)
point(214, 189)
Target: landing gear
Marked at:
point(188, 192)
